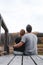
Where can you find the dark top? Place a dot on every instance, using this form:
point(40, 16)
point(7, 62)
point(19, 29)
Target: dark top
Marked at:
point(21, 49)
point(17, 40)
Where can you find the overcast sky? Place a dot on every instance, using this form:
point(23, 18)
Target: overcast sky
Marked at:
point(18, 13)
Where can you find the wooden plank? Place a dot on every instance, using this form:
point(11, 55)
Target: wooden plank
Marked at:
point(40, 56)
point(0, 29)
point(27, 61)
point(16, 60)
point(21, 60)
point(37, 60)
point(4, 60)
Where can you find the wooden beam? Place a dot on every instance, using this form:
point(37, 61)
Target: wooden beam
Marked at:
point(0, 29)
point(3, 24)
point(6, 48)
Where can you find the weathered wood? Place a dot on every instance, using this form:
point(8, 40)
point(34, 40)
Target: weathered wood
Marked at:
point(6, 45)
point(21, 60)
point(27, 61)
point(0, 31)
point(4, 60)
point(38, 60)
point(6, 48)
point(40, 56)
point(16, 60)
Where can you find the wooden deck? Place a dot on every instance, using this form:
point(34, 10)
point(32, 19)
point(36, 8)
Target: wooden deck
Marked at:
point(21, 60)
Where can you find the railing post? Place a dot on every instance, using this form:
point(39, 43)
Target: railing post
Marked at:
point(6, 44)
point(0, 29)
point(6, 47)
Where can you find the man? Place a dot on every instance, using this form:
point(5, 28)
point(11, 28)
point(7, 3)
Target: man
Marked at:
point(30, 41)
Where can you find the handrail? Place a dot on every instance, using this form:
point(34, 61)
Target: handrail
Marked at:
point(6, 48)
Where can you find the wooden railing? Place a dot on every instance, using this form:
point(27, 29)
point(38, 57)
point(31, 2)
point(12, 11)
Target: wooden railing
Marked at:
point(40, 49)
point(3, 25)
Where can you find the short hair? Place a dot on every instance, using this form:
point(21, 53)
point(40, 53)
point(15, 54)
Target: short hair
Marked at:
point(28, 28)
point(22, 32)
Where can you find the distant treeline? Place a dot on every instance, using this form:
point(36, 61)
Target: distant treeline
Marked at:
point(12, 36)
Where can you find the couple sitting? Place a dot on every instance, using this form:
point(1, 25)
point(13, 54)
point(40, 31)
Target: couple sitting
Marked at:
point(26, 43)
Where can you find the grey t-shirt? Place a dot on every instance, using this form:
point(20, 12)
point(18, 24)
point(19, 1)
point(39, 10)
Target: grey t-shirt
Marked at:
point(30, 41)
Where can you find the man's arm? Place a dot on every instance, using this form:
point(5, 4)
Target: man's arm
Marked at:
point(18, 45)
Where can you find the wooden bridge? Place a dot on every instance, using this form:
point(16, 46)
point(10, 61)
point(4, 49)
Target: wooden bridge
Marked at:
point(17, 59)
point(21, 60)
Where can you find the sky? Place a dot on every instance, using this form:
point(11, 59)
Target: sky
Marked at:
point(18, 13)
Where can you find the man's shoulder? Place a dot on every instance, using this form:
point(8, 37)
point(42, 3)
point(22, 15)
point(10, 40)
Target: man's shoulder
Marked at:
point(25, 35)
point(34, 35)
point(29, 34)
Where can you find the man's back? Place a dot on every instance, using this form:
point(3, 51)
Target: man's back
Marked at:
point(30, 41)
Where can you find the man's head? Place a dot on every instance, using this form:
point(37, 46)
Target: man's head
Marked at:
point(22, 32)
point(28, 28)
